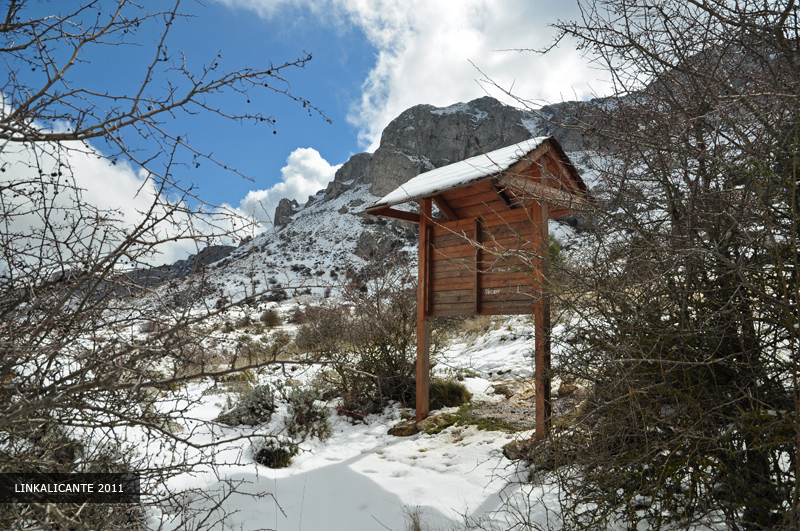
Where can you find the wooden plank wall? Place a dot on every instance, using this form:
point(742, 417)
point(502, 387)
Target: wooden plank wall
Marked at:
point(502, 267)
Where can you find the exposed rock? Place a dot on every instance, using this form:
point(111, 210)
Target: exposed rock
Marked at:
point(516, 450)
point(154, 276)
point(573, 117)
point(425, 137)
point(502, 389)
point(390, 169)
point(434, 421)
point(566, 388)
point(525, 392)
point(354, 169)
point(343, 210)
point(578, 221)
point(405, 428)
point(380, 241)
point(195, 262)
point(316, 197)
point(284, 212)
point(335, 189)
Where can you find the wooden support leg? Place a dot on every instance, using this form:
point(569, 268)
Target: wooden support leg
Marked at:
point(423, 317)
point(423, 367)
point(541, 312)
point(542, 368)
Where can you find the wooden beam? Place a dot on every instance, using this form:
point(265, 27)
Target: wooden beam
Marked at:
point(531, 158)
point(543, 193)
point(445, 208)
point(388, 212)
point(502, 195)
point(423, 311)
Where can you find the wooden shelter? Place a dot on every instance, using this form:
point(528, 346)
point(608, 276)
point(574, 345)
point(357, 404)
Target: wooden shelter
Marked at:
point(487, 254)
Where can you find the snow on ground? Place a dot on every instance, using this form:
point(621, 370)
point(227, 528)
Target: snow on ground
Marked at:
point(361, 477)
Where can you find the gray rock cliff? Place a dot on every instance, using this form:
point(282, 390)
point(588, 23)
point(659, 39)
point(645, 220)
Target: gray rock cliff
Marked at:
point(426, 137)
point(284, 212)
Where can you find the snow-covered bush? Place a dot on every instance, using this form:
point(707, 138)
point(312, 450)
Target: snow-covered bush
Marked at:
point(306, 417)
point(274, 453)
point(253, 407)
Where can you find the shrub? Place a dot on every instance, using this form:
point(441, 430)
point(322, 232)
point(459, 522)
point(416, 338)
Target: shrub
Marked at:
point(266, 349)
point(371, 338)
point(271, 318)
point(277, 295)
point(274, 453)
point(474, 327)
point(237, 377)
point(253, 407)
point(49, 448)
point(305, 417)
point(448, 393)
point(323, 328)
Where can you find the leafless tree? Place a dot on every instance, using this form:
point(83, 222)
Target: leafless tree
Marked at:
point(685, 296)
point(83, 366)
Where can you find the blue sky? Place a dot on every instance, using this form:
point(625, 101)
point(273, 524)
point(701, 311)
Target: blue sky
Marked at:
point(372, 59)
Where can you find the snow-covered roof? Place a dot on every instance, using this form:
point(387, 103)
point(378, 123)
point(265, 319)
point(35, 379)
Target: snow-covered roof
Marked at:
point(459, 174)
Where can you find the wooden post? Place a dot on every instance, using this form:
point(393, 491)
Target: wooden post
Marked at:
point(423, 316)
point(541, 314)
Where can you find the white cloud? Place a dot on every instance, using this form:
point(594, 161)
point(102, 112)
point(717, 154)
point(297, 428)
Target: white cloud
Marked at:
point(425, 50)
point(78, 181)
point(305, 173)
point(59, 196)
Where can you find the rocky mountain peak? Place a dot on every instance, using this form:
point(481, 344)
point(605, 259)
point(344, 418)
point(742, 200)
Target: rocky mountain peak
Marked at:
point(425, 137)
point(284, 212)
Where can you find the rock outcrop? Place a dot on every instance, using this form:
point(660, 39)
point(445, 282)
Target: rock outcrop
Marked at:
point(284, 212)
point(425, 137)
point(355, 169)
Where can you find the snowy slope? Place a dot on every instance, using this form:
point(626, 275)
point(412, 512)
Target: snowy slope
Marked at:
point(361, 477)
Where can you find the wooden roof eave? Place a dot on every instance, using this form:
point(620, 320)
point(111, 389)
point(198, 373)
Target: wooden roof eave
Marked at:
point(393, 213)
point(444, 208)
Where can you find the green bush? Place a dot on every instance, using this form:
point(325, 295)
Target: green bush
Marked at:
point(305, 417)
point(448, 393)
point(253, 407)
point(271, 318)
point(274, 453)
point(237, 377)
